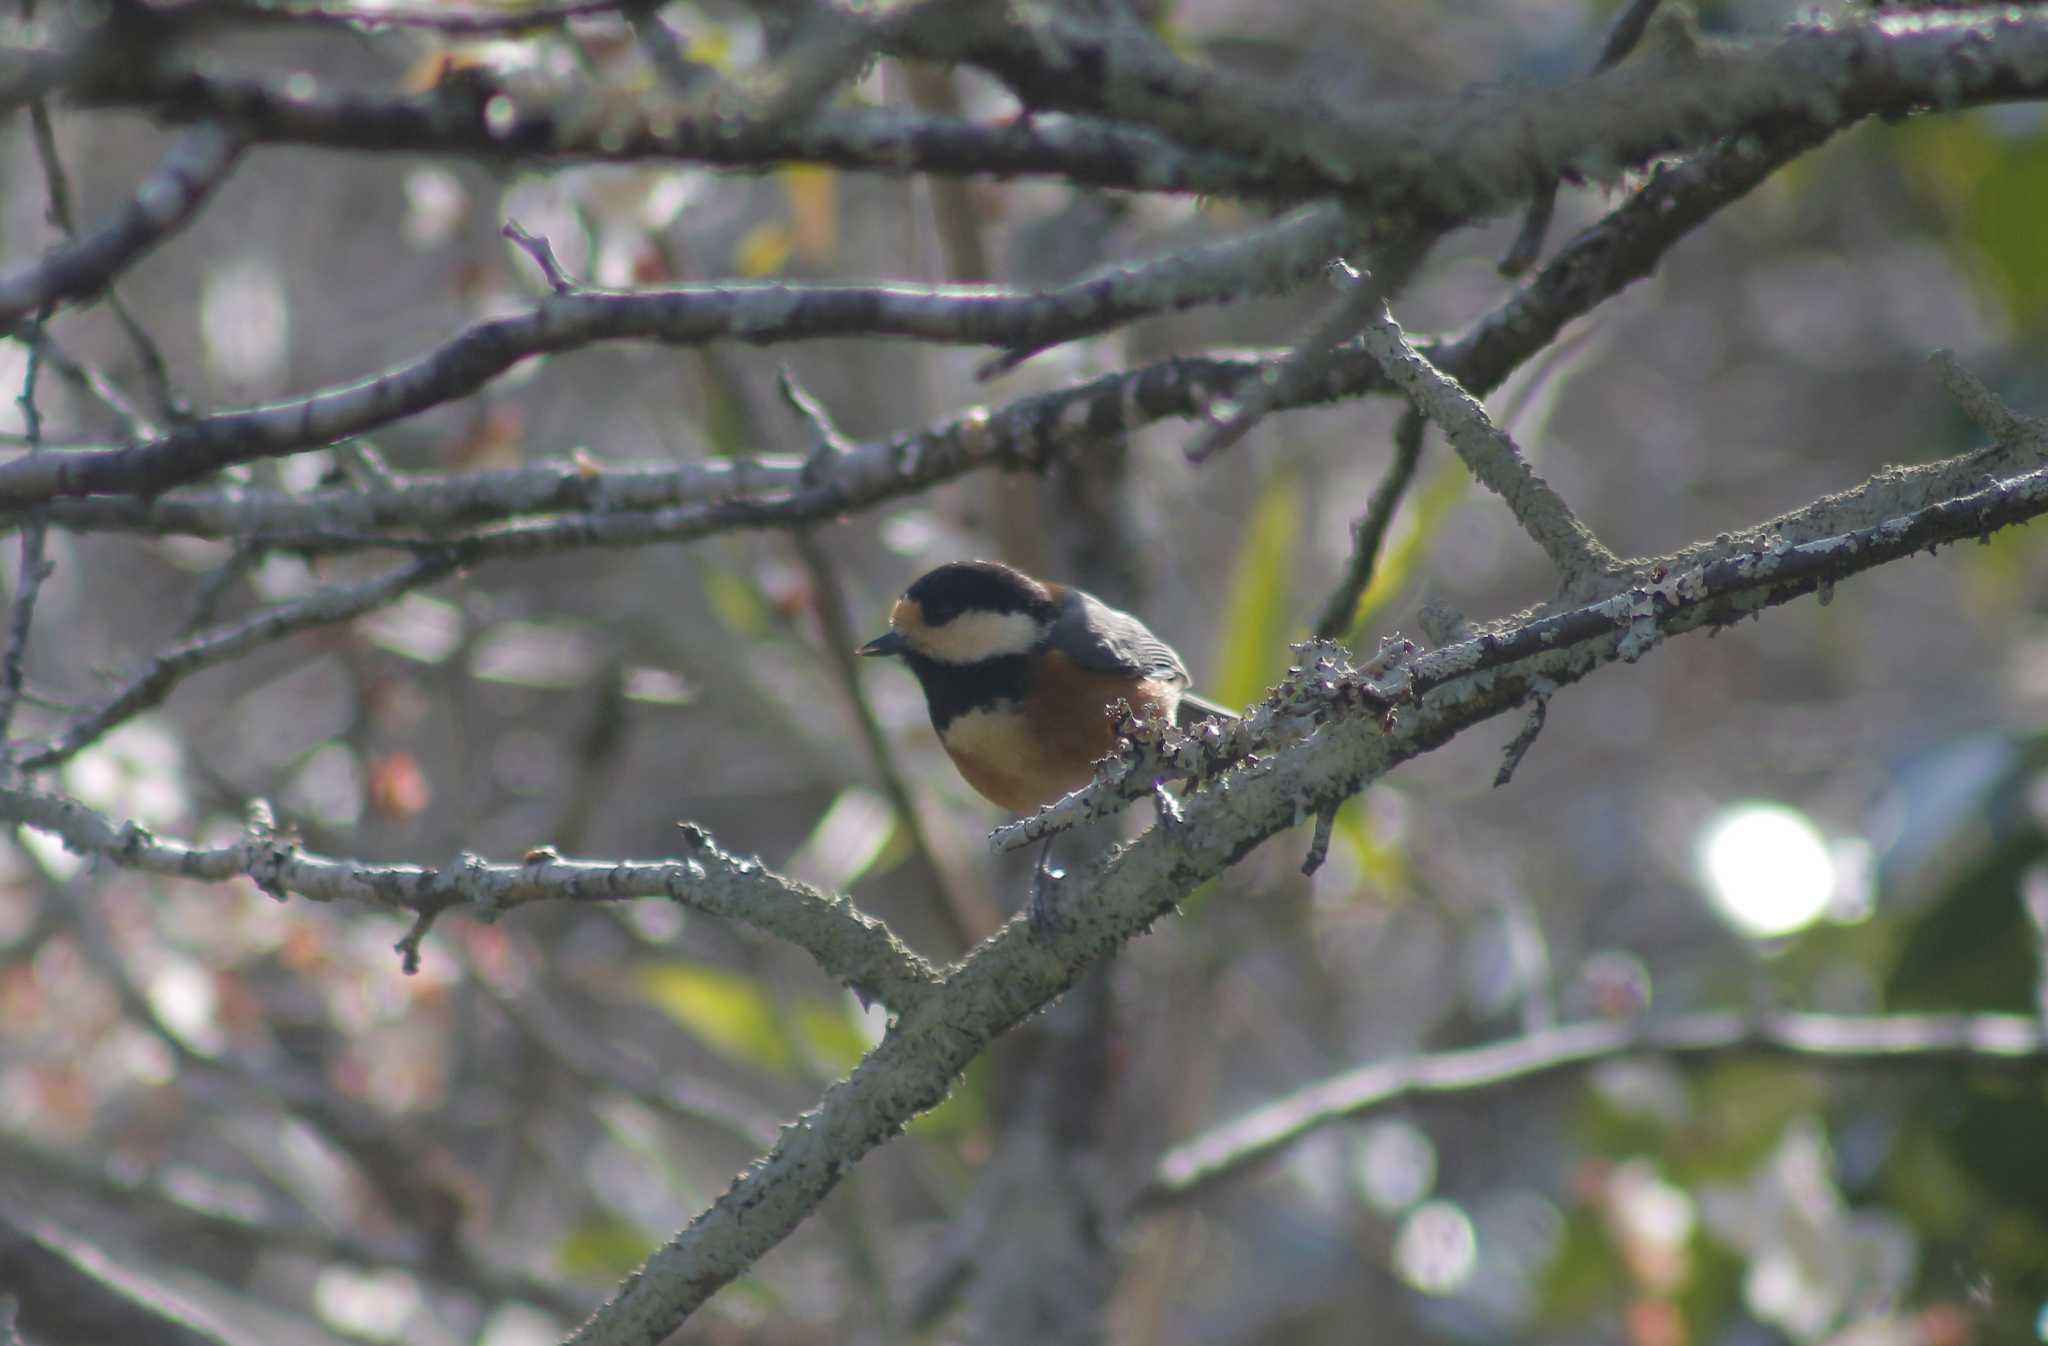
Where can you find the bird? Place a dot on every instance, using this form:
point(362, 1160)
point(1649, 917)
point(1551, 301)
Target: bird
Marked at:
point(1020, 676)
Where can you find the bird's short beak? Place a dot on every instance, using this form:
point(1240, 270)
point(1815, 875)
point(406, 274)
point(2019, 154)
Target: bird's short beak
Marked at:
point(887, 643)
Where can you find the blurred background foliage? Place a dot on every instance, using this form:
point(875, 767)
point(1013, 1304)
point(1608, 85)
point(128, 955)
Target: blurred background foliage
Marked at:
point(1841, 807)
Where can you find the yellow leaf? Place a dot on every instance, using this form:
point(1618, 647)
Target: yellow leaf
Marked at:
point(713, 47)
point(813, 194)
point(764, 251)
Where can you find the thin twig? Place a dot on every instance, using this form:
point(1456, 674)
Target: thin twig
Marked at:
point(543, 254)
point(164, 203)
point(34, 568)
point(171, 665)
point(1930, 1039)
point(1231, 419)
point(669, 56)
point(1974, 398)
point(147, 354)
point(965, 919)
point(1622, 36)
point(1525, 738)
point(1369, 534)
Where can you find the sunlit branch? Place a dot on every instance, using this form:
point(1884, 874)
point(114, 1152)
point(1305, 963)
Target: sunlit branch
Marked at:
point(1824, 1039)
point(849, 945)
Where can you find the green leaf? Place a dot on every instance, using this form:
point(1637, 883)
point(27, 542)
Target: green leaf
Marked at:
point(1382, 862)
point(1992, 185)
point(738, 604)
point(603, 1247)
point(1258, 616)
point(1743, 1109)
point(728, 1012)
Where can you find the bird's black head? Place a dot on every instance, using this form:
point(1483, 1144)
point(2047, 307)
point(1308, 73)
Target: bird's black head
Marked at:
point(965, 612)
point(977, 586)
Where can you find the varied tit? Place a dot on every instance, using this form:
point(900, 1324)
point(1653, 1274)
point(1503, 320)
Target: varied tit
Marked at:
point(1020, 674)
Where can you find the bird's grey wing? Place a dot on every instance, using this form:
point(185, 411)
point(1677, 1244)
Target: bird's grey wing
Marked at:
point(1103, 640)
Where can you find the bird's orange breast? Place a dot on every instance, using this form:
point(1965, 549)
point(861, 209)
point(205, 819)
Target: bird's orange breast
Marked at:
point(1024, 754)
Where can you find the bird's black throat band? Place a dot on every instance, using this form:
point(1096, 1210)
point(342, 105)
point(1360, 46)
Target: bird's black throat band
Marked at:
point(952, 690)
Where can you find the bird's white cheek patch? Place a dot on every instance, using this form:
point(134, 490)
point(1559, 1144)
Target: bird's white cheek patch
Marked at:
point(974, 636)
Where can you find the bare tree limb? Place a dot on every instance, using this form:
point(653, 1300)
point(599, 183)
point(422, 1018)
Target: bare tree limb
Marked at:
point(1492, 455)
point(449, 21)
point(1824, 1039)
point(163, 204)
point(1021, 968)
point(1079, 149)
point(1607, 257)
point(1711, 585)
point(1476, 152)
point(941, 1027)
point(851, 946)
point(760, 313)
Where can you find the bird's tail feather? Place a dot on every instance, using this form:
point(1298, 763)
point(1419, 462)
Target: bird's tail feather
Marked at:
point(1194, 709)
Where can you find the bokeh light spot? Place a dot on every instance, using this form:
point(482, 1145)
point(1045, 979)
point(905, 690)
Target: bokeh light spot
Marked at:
point(1766, 868)
point(1436, 1248)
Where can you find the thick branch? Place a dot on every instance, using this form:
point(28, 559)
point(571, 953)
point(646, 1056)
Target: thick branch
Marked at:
point(1080, 150)
point(1608, 256)
point(1483, 149)
point(941, 1028)
point(1020, 969)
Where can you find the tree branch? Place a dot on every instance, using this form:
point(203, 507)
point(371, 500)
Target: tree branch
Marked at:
point(1370, 532)
point(1478, 151)
point(942, 1026)
point(851, 946)
point(1620, 249)
point(1492, 455)
point(760, 313)
point(1020, 969)
point(1081, 150)
point(167, 200)
point(1931, 1039)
